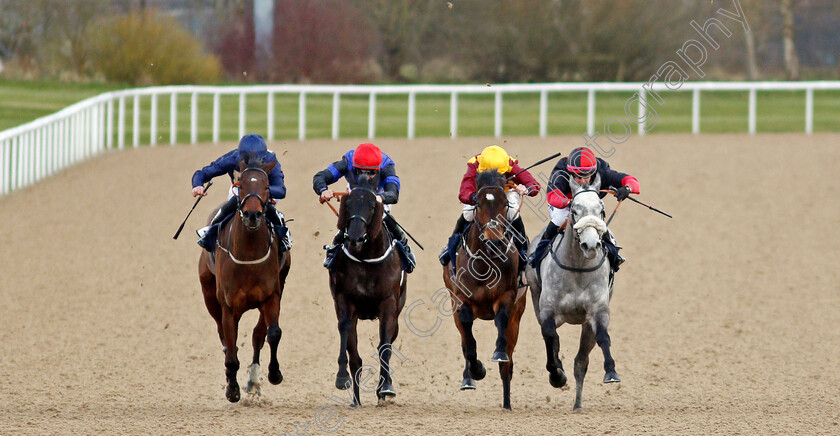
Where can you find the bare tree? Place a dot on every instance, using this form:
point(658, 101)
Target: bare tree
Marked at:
point(791, 59)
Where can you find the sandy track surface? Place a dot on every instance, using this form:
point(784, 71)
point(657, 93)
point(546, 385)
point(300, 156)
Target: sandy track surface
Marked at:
point(724, 319)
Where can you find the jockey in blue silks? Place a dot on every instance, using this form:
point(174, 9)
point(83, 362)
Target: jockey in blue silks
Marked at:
point(255, 147)
point(366, 159)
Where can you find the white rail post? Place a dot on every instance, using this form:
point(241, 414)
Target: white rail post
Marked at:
point(453, 115)
point(120, 124)
point(270, 116)
point(752, 112)
point(194, 118)
point(153, 121)
point(216, 111)
point(372, 115)
point(84, 133)
point(136, 114)
point(241, 129)
point(110, 121)
point(39, 154)
point(336, 104)
point(55, 147)
point(5, 152)
point(26, 152)
point(14, 145)
point(590, 112)
point(497, 115)
point(412, 103)
point(543, 113)
point(695, 111)
point(809, 111)
point(173, 118)
point(302, 116)
point(642, 112)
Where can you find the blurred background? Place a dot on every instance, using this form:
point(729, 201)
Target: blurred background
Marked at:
point(160, 42)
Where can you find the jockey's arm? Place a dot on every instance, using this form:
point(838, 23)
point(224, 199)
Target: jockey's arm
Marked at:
point(222, 165)
point(277, 187)
point(616, 179)
point(391, 190)
point(322, 179)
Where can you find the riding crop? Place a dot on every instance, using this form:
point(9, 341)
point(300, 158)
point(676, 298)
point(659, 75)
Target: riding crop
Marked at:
point(181, 227)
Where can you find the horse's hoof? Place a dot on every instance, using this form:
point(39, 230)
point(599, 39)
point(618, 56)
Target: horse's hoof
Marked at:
point(557, 379)
point(611, 377)
point(478, 371)
point(577, 409)
point(500, 356)
point(252, 388)
point(342, 382)
point(468, 384)
point(275, 378)
point(233, 393)
point(387, 390)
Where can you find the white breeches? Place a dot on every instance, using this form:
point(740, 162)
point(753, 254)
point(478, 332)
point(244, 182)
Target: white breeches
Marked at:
point(558, 216)
point(512, 211)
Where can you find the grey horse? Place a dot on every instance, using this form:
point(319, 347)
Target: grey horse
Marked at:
point(575, 287)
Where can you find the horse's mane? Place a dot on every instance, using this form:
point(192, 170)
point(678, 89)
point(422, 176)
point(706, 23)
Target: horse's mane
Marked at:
point(252, 160)
point(489, 178)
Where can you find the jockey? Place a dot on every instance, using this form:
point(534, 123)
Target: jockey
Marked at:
point(493, 157)
point(582, 165)
point(370, 160)
point(252, 145)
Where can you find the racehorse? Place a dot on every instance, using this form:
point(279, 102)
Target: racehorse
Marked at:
point(366, 282)
point(576, 288)
point(246, 273)
point(484, 285)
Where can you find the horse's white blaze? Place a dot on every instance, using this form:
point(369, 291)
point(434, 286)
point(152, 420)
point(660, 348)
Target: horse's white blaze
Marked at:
point(253, 179)
point(490, 197)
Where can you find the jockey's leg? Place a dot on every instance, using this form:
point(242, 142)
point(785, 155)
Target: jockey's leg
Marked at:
point(521, 242)
point(399, 235)
point(612, 251)
point(208, 234)
point(558, 221)
point(277, 220)
point(444, 256)
point(338, 239)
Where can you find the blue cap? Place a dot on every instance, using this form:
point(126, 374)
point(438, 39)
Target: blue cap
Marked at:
point(253, 144)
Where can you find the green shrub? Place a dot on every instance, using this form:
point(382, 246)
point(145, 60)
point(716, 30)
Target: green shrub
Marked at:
point(149, 49)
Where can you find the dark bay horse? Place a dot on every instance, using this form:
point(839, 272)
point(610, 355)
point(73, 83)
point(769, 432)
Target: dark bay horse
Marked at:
point(246, 274)
point(367, 282)
point(485, 282)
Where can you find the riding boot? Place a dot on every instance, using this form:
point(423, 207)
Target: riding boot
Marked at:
point(399, 235)
point(333, 249)
point(539, 252)
point(207, 235)
point(521, 241)
point(446, 255)
point(278, 223)
point(612, 251)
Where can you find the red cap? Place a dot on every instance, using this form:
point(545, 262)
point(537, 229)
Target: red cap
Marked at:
point(582, 162)
point(367, 157)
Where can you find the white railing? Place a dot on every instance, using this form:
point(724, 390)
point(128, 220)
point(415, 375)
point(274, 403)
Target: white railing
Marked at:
point(38, 149)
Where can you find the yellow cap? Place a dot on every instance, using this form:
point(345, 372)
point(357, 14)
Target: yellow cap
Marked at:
point(494, 158)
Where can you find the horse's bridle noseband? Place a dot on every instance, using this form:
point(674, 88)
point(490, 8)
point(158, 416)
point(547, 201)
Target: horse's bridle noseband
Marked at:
point(492, 223)
point(359, 217)
point(264, 204)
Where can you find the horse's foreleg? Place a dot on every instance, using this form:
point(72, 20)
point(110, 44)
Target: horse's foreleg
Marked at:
point(506, 368)
point(556, 376)
point(587, 343)
point(473, 369)
point(387, 322)
point(501, 320)
point(342, 378)
point(602, 321)
point(355, 360)
point(270, 315)
point(257, 341)
point(230, 324)
point(208, 289)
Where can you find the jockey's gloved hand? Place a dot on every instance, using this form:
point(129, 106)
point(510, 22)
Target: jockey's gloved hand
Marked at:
point(474, 198)
point(622, 193)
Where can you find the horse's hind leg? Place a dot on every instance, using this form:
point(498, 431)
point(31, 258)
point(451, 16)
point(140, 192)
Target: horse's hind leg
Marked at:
point(474, 369)
point(344, 314)
point(506, 368)
point(208, 289)
point(355, 361)
point(257, 341)
point(230, 324)
point(602, 321)
point(556, 376)
point(270, 315)
point(587, 343)
point(387, 333)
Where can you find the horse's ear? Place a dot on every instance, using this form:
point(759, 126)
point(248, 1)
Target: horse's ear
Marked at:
point(269, 167)
point(342, 215)
point(596, 182)
point(242, 165)
point(376, 220)
point(573, 184)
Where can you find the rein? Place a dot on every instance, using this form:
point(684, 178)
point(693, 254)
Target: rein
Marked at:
point(239, 206)
point(377, 260)
point(573, 223)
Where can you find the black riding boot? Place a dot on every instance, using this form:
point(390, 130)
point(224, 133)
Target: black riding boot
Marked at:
point(272, 215)
point(208, 241)
point(333, 249)
point(521, 241)
point(445, 256)
point(398, 234)
point(549, 234)
point(612, 251)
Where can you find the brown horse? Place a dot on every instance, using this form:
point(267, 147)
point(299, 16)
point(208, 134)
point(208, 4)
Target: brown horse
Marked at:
point(367, 282)
point(485, 283)
point(246, 274)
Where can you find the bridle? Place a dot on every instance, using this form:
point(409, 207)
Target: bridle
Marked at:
point(239, 206)
point(263, 203)
point(492, 224)
point(359, 217)
point(364, 238)
point(572, 223)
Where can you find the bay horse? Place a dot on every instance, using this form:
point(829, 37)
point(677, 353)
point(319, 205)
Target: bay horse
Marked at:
point(484, 285)
point(246, 273)
point(367, 282)
point(576, 288)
